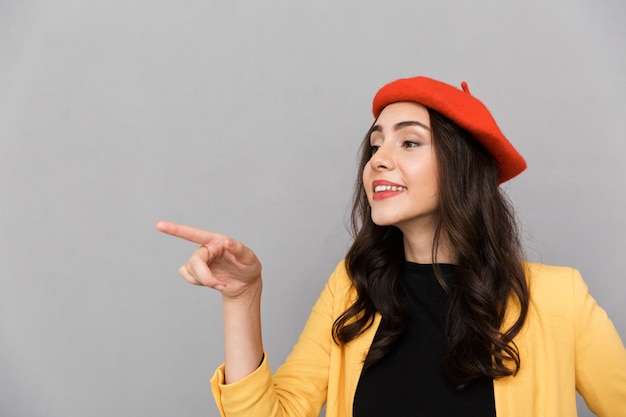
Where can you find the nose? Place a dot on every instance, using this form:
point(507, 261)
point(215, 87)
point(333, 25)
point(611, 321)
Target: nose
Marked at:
point(382, 159)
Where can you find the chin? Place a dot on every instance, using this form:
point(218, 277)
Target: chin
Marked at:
point(382, 222)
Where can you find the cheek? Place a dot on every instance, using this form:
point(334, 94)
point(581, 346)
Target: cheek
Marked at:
point(366, 176)
point(433, 184)
point(427, 174)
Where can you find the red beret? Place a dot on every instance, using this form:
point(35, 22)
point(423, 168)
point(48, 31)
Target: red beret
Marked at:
point(460, 107)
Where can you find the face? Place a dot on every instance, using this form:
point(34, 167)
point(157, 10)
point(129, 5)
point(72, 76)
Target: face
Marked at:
point(400, 179)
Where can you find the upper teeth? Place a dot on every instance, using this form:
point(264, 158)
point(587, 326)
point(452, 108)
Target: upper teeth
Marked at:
point(380, 188)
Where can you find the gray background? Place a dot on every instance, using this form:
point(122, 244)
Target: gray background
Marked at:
point(244, 118)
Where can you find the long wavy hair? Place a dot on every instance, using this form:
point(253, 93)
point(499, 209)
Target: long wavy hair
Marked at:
point(477, 220)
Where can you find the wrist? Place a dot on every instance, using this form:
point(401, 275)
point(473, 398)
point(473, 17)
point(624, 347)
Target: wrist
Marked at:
point(248, 295)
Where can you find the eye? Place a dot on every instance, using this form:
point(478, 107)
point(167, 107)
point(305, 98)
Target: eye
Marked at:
point(373, 149)
point(410, 144)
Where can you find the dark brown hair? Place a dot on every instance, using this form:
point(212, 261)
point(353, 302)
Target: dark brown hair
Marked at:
point(476, 219)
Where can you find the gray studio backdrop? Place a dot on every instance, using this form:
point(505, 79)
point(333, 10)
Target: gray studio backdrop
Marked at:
point(244, 118)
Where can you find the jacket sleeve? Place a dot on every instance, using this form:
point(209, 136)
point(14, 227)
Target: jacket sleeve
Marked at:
point(600, 355)
point(299, 387)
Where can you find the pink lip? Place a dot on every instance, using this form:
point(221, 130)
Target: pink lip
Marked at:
point(385, 194)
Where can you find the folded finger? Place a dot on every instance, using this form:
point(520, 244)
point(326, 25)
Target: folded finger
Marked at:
point(186, 272)
point(199, 268)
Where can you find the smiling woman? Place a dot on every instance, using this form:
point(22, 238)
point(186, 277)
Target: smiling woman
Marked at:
point(434, 310)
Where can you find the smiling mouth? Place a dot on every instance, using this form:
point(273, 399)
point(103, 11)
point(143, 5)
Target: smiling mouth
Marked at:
point(383, 188)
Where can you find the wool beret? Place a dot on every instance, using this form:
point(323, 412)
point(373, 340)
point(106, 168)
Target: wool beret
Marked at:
point(462, 108)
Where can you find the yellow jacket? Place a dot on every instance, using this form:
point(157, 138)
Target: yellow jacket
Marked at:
point(568, 343)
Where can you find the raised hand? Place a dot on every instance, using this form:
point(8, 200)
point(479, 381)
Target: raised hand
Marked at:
point(233, 269)
point(220, 262)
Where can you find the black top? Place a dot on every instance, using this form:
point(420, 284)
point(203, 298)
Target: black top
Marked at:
point(409, 380)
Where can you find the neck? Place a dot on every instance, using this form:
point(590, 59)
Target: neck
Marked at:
point(418, 248)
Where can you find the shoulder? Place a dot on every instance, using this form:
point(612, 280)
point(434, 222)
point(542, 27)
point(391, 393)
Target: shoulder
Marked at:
point(340, 278)
point(340, 286)
point(537, 271)
point(554, 288)
point(543, 277)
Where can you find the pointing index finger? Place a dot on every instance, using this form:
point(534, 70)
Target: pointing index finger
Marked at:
point(189, 233)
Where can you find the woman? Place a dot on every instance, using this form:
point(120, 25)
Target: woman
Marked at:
point(433, 312)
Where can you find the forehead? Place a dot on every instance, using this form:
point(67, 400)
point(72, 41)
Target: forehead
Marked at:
point(402, 112)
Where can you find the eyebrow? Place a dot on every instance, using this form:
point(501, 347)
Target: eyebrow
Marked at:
point(400, 125)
